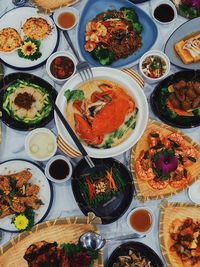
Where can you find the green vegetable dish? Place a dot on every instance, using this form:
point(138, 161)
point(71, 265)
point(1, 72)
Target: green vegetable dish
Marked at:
point(26, 102)
point(100, 188)
point(113, 35)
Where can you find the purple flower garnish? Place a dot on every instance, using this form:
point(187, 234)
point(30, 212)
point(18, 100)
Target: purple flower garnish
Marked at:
point(166, 163)
point(192, 3)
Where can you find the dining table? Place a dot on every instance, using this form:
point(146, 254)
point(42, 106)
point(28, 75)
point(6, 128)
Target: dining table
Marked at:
point(64, 203)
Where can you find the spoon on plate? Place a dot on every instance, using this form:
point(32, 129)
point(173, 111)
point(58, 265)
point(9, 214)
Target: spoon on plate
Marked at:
point(92, 240)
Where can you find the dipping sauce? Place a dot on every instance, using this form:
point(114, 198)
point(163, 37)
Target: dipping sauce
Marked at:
point(59, 169)
point(66, 20)
point(164, 13)
point(141, 220)
point(154, 67)
point(62, 67)
point(194, 192)
point(41, 145)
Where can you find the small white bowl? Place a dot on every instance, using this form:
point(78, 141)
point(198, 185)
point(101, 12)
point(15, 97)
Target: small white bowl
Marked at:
point(59, 11)
point(159, 54)
point(194, 192)
point(33, 134)
point(167, 2)
point(133, 211)
point(55, 55)
point(48, 175)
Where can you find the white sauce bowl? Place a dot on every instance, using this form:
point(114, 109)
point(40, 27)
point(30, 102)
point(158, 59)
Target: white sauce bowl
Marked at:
point(34, 150)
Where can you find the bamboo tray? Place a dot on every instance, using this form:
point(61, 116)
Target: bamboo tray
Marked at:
point(143, 190)
point(170, 211)
point(61, 230)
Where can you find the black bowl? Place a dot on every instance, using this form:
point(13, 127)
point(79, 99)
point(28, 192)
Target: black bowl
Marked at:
point(160, 110)
point(143, 249)
point(19, 125)
point(114, 209)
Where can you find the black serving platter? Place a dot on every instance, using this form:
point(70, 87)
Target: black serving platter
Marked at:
point(138, 247)
point(19, 125)
point(114, 209)
point(160, 110)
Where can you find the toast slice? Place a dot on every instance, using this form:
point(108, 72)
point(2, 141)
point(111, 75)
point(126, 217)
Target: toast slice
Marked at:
point(189, 49)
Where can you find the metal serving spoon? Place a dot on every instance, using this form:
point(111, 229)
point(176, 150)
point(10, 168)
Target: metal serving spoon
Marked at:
point(95, 241)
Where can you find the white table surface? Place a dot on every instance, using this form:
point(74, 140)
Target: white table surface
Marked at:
point(64, 203)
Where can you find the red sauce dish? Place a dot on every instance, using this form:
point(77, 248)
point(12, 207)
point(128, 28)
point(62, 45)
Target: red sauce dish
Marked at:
point(62, 67)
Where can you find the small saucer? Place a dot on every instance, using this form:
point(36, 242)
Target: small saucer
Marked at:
point(194, 192)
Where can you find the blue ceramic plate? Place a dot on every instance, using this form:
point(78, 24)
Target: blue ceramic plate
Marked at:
point(94, 7)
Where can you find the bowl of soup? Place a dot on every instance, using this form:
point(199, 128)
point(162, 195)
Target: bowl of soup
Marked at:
point(66, 18)
point(108, 113)
point(140, 220)
point(41, 144)
point(61, 66)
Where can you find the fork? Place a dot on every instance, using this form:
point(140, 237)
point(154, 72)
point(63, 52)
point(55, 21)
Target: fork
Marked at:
point(83, 67)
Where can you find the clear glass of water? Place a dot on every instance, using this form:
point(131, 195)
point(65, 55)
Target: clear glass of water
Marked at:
point(19, 2)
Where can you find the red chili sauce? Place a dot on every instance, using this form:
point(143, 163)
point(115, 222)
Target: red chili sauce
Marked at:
point(62, 67)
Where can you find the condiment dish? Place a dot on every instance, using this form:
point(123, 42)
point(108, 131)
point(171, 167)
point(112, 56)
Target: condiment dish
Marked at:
point(141, 220)
point(144, 68)
point(194, 192)
point(66, 11)
point(40, 144)
point(69, 68)
point(167, 3)
point(59, 171)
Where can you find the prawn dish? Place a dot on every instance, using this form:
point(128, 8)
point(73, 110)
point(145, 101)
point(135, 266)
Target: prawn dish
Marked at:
point(165, 161)
point(113, 35)
point(26, 102)
point(17, 194)
point(101, 112)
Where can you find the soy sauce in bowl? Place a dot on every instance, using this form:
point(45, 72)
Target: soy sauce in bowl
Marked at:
point(164, 13)
point(59, 169)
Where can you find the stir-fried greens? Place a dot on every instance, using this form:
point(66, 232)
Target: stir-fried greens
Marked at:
point(26, 102)
point(113, 35)
point(99, 188)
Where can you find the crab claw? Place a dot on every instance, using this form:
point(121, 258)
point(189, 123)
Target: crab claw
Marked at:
point(84, 131)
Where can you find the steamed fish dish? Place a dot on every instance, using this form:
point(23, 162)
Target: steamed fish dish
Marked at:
point(26, 102)
point(101, 112)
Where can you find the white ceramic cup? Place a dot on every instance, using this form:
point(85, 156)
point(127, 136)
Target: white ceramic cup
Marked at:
point(59, 54)
point(48, 175)
point(167, 2)
point(59, 11)
point(133, 211)
point(29, 137)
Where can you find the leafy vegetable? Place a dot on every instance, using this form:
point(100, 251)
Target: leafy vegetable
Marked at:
point(26, 47)
point(74, 95)
point(130, 14)
point(189, 8)
point(103, 55)
point(192, 3)
point(196, 112)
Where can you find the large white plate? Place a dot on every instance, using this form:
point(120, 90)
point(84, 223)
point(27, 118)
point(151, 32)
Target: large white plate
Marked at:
point(14, 19)
point(134, 90)
point(38, 178)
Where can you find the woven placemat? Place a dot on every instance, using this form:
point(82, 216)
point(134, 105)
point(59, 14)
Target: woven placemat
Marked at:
point(63, 230)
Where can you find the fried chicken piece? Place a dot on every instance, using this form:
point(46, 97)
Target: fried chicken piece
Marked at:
point(5, 185)
point(22, 177)
point(32, 189)
point(32, 202)
point(5, 209)
point(17, 204)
